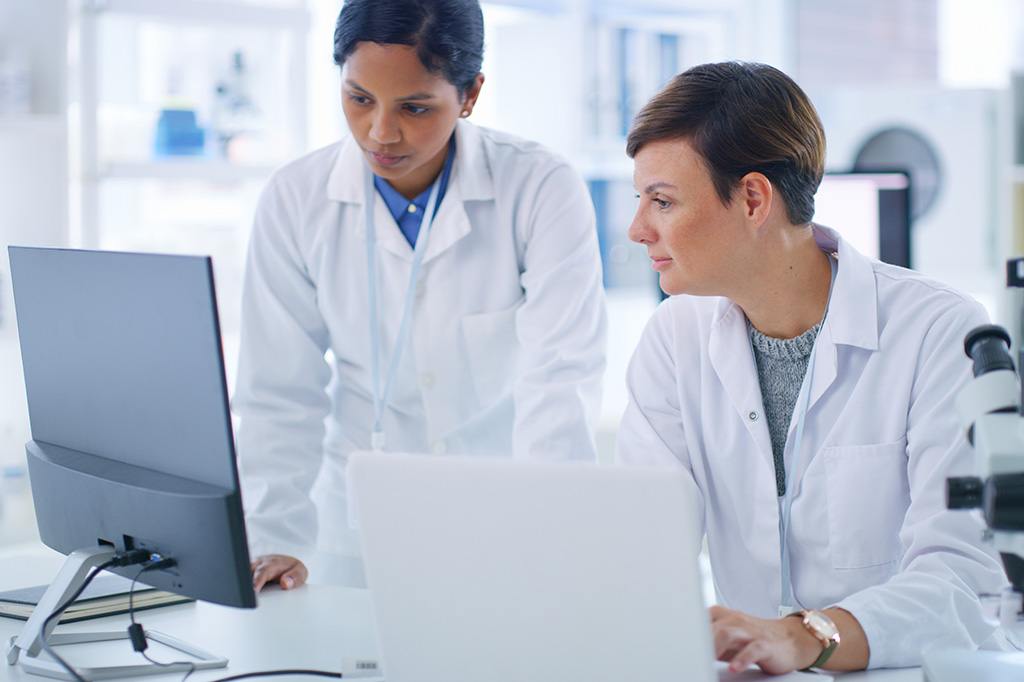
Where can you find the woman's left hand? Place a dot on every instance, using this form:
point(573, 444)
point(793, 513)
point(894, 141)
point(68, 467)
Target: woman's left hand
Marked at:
point(777, 646)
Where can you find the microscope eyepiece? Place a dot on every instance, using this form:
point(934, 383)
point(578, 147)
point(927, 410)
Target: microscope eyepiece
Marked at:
point(989, 347)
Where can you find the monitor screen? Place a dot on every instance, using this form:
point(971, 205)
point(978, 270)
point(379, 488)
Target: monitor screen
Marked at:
point(132, 445)
point(870, 210)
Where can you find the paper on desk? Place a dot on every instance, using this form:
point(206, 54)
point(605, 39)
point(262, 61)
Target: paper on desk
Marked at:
point(754, 674)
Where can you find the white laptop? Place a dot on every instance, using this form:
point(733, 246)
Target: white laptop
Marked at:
point(498, 570)
point(506, 571)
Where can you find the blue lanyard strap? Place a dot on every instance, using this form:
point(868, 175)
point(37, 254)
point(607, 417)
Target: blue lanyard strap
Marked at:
point(788, 599)
point(381, 397)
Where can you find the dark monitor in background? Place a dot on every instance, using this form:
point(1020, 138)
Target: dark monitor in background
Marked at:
point(132, 446)
point(871, 210)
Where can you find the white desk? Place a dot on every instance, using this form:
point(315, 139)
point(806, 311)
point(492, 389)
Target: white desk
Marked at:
point(313, 627)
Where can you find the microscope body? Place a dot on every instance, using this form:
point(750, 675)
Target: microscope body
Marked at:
point(990, 410)
point(999, 461)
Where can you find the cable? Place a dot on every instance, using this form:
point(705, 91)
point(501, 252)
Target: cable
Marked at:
point(136, 633)
point(138, 636)
point(60, 609)
point(351, 668)
point(124, 559)
point(276, 673)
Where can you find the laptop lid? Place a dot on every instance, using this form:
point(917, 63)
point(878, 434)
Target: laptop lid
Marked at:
point(497, 569)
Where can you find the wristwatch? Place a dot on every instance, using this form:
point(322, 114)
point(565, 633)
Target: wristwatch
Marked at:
point(824, 630)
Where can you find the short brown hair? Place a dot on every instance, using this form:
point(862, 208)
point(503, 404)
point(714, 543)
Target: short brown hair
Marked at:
point(741, 118)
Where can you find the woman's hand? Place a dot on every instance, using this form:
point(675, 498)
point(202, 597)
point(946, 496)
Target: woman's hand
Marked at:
point(287, 571)
point(776, 646)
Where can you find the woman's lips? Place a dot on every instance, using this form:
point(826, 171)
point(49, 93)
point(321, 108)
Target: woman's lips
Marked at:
point(660, 264)
point(387, 160)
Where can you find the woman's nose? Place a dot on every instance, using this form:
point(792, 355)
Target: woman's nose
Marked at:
point(639, 232)
point(384, 130)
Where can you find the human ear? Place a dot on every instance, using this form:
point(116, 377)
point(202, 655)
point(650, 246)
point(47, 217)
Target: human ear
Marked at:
point(757, 195)
point(471, 95)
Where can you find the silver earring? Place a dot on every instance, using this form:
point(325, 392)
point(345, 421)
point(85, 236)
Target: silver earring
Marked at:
point(465, 114)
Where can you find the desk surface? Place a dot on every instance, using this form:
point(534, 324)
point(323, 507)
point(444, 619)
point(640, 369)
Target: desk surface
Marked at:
point(313, 627)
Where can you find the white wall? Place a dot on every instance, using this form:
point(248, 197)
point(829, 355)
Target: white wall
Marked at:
point(33, 181)
point(34, 30)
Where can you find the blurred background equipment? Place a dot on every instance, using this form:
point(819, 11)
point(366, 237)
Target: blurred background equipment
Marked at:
point(178, 134)
point(235, 113)
point(947, 141)
point(872, 210)
point(15, 85)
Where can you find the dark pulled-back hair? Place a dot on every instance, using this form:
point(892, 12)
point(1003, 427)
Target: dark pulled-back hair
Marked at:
point(741, 118)
point(448, 34)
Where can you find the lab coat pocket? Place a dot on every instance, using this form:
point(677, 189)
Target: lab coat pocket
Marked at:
point(492, 349)
point(867, 500)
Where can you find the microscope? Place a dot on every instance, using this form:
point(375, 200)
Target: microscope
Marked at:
point(992, 410)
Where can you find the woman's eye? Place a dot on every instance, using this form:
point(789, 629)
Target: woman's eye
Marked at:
point(662, 204)
point(359, 99)
point(416, 110)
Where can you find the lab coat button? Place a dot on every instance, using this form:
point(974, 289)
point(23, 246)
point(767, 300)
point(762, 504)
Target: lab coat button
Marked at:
point(439, 447)
point(752, 416)
point(427, 380)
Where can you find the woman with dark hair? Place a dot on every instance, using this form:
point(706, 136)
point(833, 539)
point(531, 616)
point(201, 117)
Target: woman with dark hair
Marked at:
point(424, 285)
point(808, 389)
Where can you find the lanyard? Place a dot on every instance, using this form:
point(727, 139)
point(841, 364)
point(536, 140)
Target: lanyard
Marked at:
point(380, 397)
point(788, 602)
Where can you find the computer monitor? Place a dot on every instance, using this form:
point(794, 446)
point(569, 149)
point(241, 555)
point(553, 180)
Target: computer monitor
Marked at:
point(132, 445)
point(871, 210)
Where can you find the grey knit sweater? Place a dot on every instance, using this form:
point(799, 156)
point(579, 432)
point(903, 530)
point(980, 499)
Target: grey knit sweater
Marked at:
point(781, 365)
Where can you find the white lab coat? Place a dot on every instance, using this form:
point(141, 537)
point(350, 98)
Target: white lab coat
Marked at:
point(505, 354)
point(869, 530)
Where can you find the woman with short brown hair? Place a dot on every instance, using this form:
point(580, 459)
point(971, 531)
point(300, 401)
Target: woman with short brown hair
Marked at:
point(807, 388)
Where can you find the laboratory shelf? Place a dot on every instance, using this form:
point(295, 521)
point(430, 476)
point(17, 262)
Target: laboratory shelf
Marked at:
point(233, 12)
point(185, 169)
point(32, 123)
point(285, 22)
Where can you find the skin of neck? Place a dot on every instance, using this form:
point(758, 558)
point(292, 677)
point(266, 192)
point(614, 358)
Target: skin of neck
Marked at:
point(785, 287)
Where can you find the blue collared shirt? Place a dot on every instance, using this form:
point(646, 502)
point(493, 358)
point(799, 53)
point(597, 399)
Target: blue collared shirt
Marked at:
point(409, 214)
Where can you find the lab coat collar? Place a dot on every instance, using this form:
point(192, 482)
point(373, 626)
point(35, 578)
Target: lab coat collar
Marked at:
point(345, 183)
point(852, 320)
point(471, 180)
point(853, 310)
point(472, 172)
point(733, 360)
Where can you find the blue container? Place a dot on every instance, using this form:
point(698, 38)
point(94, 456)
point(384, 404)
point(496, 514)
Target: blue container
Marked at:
point(177, 134)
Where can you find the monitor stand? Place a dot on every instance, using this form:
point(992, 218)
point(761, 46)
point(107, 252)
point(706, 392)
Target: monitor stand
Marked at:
point(29, 644)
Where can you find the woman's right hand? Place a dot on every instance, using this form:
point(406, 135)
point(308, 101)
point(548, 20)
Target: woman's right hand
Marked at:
point(287, 571)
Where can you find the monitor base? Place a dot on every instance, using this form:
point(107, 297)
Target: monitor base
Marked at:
point(27, 648)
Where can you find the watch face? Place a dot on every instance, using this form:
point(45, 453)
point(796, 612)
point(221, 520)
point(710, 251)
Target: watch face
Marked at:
point(821, 624)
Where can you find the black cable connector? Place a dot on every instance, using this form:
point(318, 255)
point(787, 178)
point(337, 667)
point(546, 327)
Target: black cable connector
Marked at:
point(131, 557)
point(138, 637)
